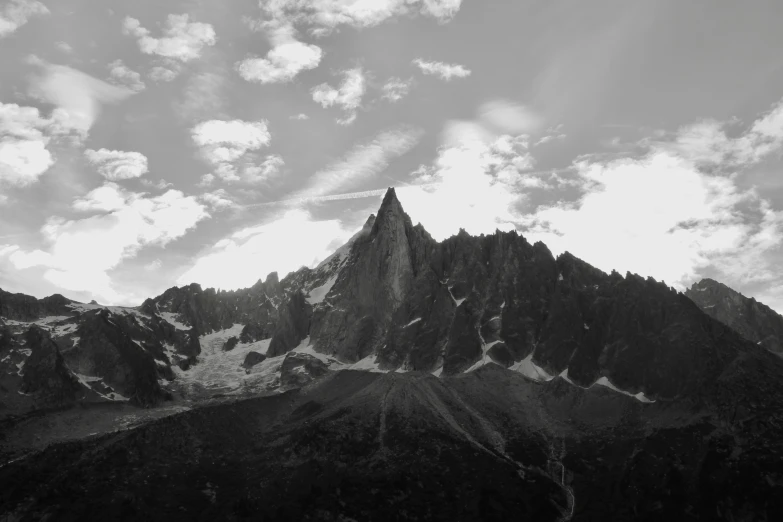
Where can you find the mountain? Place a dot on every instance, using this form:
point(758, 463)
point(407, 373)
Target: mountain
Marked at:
point(755, 321)
point(477, 378)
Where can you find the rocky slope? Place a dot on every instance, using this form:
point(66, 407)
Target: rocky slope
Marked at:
point(755, 321)
point(486, 445)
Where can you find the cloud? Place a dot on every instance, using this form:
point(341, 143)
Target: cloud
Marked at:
point(238, 260)
point(64, 47)
point(508, 117)
point(474, 184)
point(218, 200)
point(301, 116)
point(347, 96)
point(116, 165)
point(396, 89)
point(160, 74)
point(78, 95)
point(229, 146)
point(676, 212)
point(16, 13)
point(24, 136)
point(154, 265)
point(323, 16)
point(126, 223)
point(122, 75)
point(203, 96)
point(161, 184)
point(287, 59)
point(443, 70)
point(183, 40)
point(707, 144)
point(363, 162)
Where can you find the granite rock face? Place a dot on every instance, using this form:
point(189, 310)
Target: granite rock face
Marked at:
point(21, 307)
point(44, 373)
point(293, 325)
point(123, 358)
point(210, 310)
point(423, 306)
point(755, 321)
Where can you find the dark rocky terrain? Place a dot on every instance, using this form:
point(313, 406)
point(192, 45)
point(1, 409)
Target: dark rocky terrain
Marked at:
point(498, 382)
point(754, 320)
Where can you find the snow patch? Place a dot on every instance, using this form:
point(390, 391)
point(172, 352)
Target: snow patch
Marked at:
point(641, 397)
point(171, 318)
point(369, 364)
point(531, 370)
point(319, 293)
point(413, 322)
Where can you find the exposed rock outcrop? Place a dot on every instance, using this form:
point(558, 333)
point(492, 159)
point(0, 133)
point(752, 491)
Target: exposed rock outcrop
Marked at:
point(21, 307)
point(253, 358)
point(293, 325)
point(44, 373)
point(755, 321)
point(300, 368)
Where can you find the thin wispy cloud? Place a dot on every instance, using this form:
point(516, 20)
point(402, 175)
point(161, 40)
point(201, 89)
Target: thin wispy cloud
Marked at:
point(363, 162)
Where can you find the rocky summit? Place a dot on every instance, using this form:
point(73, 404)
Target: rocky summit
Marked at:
point(755, 321)
point(477, 378)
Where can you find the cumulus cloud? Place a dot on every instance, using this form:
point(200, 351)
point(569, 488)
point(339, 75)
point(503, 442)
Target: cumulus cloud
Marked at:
point(396, 89)
point(363, 162)
point(444, 71)
point(16, 13)
point(182, 39)
point(347, 96)
point(125, 223)
point(78, 95)
point(24, 136)
point(287, 58)
point(121, 74)
point(301, 116)
point(116, 165)
point(238, 260)
point(218, 200)
point(230, 147)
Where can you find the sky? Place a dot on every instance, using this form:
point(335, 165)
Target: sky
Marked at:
point(149, 144)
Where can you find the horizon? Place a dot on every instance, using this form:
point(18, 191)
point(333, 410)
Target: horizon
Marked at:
point(147, 146)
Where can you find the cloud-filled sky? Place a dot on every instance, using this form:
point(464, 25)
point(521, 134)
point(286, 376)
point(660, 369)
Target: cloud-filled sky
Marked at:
point(146, 144)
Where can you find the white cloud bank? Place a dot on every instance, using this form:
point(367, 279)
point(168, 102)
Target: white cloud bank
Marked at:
point(116, 165)
point(83, 251)
point(673, 213)
point(16, 13)
point(241, 259)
